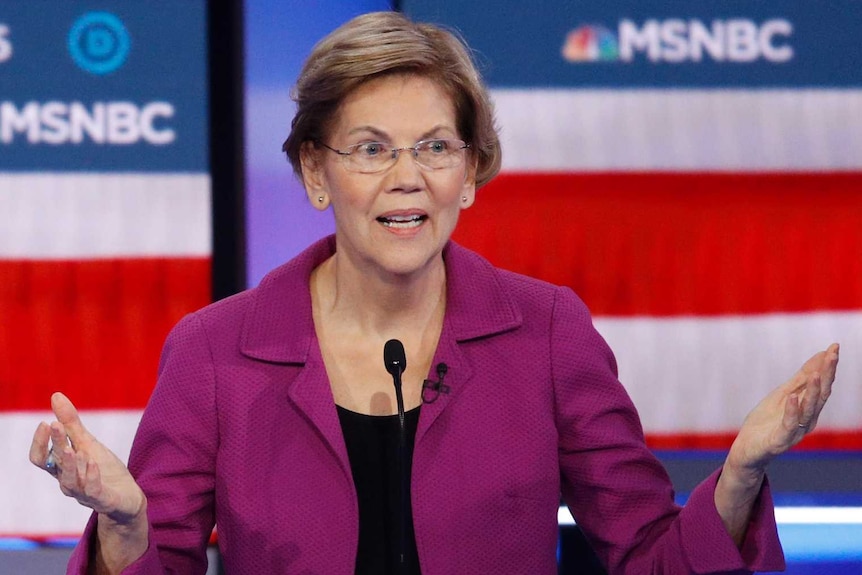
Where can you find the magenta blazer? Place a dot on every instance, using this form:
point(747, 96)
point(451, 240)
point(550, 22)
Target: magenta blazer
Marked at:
point(242, 432)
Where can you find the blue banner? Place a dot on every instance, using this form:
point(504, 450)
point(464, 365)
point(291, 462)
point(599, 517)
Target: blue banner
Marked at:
point(103, 86)
point(659, 44)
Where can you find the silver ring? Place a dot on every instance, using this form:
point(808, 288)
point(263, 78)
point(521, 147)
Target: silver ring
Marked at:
point(51, 463)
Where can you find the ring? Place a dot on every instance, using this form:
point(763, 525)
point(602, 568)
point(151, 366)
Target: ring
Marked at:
point(51, 463)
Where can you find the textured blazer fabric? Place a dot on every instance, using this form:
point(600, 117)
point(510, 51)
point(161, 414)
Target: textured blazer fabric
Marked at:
point(242, 432)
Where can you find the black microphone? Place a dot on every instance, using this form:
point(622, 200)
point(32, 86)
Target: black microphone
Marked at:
point(395, 359)
point(396, 362)
point(435, 388)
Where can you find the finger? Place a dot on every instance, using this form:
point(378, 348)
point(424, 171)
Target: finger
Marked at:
point(67, 464)
point(81, 467)
point(92, 479)
point(59, 438)
point(830, 367)
point(790, 420)
point(67, 414)
point(93, 487)
point(827, 379)
point(810, 402)
point(814, 363)
point(796, 384)
point(39, 445)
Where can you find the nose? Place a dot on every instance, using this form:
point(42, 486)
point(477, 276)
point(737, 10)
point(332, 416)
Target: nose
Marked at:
point(405, 174)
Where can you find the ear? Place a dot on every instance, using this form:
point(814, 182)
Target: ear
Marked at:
point(313, 177)
point(468, 190)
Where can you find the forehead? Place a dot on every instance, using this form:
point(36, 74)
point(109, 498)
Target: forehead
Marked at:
point(400, 105)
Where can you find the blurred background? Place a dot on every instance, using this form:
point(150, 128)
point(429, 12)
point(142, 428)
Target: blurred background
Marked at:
point(692, 169)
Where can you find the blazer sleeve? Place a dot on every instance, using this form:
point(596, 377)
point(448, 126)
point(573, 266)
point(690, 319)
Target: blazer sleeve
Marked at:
point(173, 460)
point(618, 492)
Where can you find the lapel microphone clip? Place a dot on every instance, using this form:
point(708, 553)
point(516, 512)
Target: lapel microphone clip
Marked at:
point(435, 388)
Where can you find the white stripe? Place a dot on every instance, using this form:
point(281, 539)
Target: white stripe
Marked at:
point(704, 374)
point(783, 516)
point(31, 501)
point(819, 515)
point(686, 130)
point(96, 215)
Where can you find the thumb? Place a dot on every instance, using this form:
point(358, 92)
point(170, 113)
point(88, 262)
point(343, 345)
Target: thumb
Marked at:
point(67, 414)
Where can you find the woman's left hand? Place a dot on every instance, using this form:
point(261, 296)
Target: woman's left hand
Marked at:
point(785, 416)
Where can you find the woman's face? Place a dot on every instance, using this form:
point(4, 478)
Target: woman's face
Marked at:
point(395, 221)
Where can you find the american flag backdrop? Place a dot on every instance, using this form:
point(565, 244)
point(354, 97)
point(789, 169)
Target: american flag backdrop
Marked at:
point(104, 224)
point(709, 211)
point(693, 170)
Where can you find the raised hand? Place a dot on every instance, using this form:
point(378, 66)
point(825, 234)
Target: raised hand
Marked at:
point(787, 414)
point(775, 425)
point(85, 469)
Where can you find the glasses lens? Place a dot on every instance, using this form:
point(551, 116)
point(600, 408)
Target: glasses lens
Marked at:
point(438, 154)
point(368, 157)
point(372, 157)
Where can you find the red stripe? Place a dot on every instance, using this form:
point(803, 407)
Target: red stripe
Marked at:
point(827, 439)
point(92, 329)
point(668, 244)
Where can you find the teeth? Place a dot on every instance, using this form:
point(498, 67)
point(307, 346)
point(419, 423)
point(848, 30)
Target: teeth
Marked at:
point(401, 221)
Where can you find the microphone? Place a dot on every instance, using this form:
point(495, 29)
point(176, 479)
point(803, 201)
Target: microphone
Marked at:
point(395, 361)
point(435, 387)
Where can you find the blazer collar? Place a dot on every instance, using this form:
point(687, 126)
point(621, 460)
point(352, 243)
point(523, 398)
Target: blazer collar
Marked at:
point(279, 326)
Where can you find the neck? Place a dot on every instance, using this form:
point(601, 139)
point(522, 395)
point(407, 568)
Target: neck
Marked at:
point(380, 303)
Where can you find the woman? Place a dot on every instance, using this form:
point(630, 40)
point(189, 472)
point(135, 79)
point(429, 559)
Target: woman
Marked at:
point(272, 405)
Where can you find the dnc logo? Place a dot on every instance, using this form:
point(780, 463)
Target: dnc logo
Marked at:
point(676, 40)
point(98, 42)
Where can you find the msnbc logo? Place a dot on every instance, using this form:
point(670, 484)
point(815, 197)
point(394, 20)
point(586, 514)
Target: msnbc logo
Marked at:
point(676, 40)
point(590, 44)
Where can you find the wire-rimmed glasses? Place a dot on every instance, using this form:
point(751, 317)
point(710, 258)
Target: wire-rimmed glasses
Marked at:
point(373, 157)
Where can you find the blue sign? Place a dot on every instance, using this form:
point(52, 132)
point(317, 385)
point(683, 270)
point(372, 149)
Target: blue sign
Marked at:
point(108, 86)
point(658, 44)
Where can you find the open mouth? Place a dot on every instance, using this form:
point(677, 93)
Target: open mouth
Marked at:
point(403, 222)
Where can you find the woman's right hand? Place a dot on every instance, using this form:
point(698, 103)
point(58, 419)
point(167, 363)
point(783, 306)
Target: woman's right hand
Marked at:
point(85, 468)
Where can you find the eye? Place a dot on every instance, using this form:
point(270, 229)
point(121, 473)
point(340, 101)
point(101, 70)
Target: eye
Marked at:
point(370, 149)
point(437, 146)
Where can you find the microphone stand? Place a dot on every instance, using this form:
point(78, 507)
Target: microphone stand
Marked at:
point(402, 468)
point(396, 362)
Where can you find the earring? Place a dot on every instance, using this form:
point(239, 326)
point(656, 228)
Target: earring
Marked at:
point(463, 198)
point(319, 199)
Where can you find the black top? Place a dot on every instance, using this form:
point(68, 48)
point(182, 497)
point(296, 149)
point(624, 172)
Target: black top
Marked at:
point(372, 446)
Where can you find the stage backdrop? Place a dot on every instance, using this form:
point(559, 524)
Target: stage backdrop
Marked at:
point(104, 221)
point(694, 171)
point(279, 35)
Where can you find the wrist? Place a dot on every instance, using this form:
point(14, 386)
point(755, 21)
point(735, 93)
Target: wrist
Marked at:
point(125, 523)
point(120, 543)
point(741, 480)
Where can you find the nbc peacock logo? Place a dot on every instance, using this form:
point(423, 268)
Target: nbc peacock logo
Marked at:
point(591, 43)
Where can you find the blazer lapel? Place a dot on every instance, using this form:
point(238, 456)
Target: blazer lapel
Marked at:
point(312, 394)
point(476, 307)
point(279, 328)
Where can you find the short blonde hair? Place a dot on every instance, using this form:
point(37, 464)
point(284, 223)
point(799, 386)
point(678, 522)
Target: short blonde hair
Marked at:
point(382, 43)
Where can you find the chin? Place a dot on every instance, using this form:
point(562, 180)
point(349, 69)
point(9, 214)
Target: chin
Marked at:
point(408, 262)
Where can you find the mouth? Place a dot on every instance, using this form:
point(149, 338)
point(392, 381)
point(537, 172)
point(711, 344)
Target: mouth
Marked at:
point(402, 222)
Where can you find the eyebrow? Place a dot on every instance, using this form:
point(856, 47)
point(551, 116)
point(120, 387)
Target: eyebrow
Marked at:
point(384, 136)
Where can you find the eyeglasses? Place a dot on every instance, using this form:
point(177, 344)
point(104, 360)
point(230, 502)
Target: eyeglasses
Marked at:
point(373, 157)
